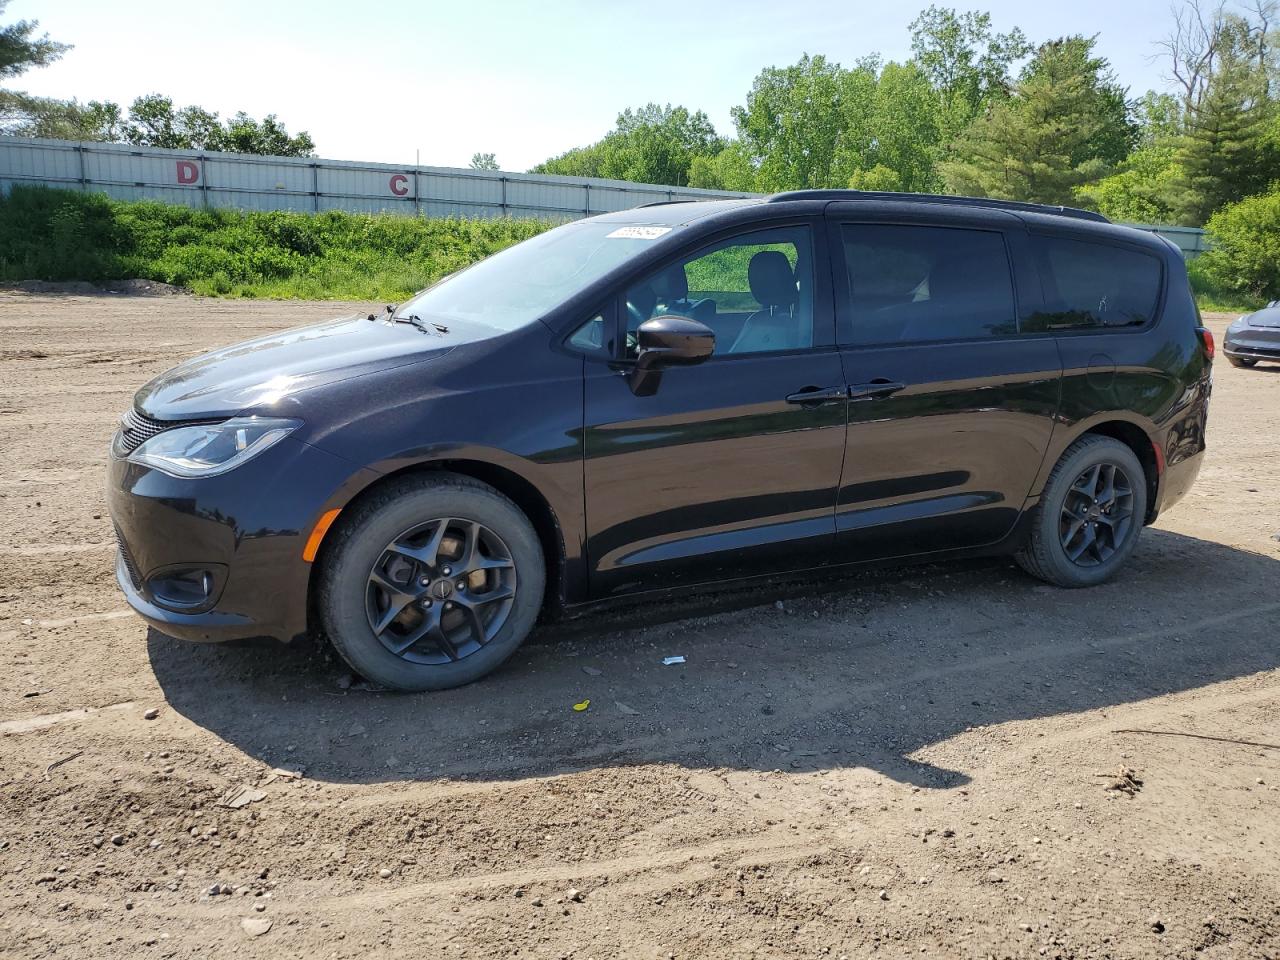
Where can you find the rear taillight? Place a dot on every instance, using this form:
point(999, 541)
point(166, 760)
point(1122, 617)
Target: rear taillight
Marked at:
point(1206, 341)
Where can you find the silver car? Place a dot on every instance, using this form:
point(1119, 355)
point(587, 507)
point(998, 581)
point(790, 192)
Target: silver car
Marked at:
point(1254, 337)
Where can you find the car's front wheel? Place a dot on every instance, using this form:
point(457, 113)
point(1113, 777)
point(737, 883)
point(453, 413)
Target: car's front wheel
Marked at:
point(1090, 515)
point(430, 582)
point(1241, 361)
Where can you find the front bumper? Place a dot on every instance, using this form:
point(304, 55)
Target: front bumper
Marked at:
point(1253, 343)
point(246, 528)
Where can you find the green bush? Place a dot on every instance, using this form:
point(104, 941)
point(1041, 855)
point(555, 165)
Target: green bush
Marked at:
point(187, 266)
point(44, 237)
point(1245, 259)
point(67, 235)
point(1211, 294)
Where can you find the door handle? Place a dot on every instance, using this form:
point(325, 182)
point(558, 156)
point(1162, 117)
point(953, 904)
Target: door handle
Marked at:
point(818, 396)
point(875, 390)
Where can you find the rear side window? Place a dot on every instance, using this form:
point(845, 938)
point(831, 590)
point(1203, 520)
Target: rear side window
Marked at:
point(1091, 285)
point(910, 284)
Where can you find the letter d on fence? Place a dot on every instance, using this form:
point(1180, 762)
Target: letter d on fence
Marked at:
point(188, 172)
point(399, 184)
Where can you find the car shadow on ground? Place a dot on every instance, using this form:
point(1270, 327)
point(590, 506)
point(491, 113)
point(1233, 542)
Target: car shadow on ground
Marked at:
point(863, 671)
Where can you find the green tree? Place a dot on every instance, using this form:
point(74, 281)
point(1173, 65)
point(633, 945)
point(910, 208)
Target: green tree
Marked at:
point(243, 134)
point(966, 61)
point(877, 178)
point(653, 144)
point(1160, 118)
point(1065, 125)
point(817, 124)
point(484, 161)
point(906, 130)
point(730, 169)
point(21, 48)
point(796, 127)
point(1109, 128)
point(657, 144)
point(1228, 153)
point(1146, 188)
point(576, 162)
point(25, 116)
point(154, 122)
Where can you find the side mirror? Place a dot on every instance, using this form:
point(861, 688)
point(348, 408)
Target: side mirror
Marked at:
point(668, 341)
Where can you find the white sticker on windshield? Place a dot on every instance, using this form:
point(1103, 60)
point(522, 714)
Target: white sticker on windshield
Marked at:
point(637, 233)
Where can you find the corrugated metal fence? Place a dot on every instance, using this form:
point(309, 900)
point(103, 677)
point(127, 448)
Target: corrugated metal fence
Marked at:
point(1192, 241)
point(251, 182)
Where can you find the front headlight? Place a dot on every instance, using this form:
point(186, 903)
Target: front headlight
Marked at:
point(213, 448)
point(1240, 323)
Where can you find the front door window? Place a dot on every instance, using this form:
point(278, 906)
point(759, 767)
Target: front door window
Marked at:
point(754, 291)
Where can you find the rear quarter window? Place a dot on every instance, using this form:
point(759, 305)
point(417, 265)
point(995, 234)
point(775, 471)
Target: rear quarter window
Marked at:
point(1089, 285)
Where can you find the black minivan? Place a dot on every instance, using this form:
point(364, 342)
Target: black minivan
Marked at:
point(666, 398)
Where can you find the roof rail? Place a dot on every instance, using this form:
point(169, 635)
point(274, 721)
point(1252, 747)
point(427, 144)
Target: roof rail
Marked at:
point(1013, 205)
point(663, 203)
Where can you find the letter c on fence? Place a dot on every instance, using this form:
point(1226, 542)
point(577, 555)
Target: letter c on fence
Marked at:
point(399, 184)
point(188, 172)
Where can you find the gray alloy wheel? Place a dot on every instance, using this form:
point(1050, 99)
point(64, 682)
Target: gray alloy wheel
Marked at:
point(430, 582)
point(1089, 516)
point(1096, 514)
point(440, 590)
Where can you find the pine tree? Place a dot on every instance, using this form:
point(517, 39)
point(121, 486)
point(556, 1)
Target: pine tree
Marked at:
point(1065, 125)
point(21, 48)
point(1225, 156)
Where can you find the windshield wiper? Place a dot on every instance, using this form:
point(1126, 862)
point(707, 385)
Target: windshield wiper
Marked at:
point(426, 326)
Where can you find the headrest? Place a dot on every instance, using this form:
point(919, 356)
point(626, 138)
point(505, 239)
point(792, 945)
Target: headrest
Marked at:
point(773, 284)
point(671, 284)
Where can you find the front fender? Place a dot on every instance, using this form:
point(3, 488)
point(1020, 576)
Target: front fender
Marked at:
point(516, 424)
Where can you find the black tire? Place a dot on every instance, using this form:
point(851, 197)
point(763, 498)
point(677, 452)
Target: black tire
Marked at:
point(356, 565)
point(1066, 504)
point(1241, 361)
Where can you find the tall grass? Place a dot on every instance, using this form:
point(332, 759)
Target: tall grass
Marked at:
point(66, 235)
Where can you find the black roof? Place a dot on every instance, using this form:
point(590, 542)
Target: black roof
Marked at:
point(936, 198)
point(686, 211)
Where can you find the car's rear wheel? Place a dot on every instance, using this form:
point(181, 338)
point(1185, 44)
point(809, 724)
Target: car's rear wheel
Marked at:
point(1241, 361)
point(1090, 515)
point(430, 583)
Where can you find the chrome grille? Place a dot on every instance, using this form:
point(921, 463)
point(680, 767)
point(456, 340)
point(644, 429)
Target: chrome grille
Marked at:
point(137, 428)
point(130, 565)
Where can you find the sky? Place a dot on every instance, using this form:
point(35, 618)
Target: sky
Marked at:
point(397, 81)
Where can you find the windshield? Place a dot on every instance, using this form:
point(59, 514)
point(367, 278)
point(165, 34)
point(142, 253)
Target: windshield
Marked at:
point(522, 283)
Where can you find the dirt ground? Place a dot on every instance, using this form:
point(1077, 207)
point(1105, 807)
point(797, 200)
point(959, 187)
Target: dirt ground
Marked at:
point(902, 763)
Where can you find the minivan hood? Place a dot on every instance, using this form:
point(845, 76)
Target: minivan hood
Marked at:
point(268, 373)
